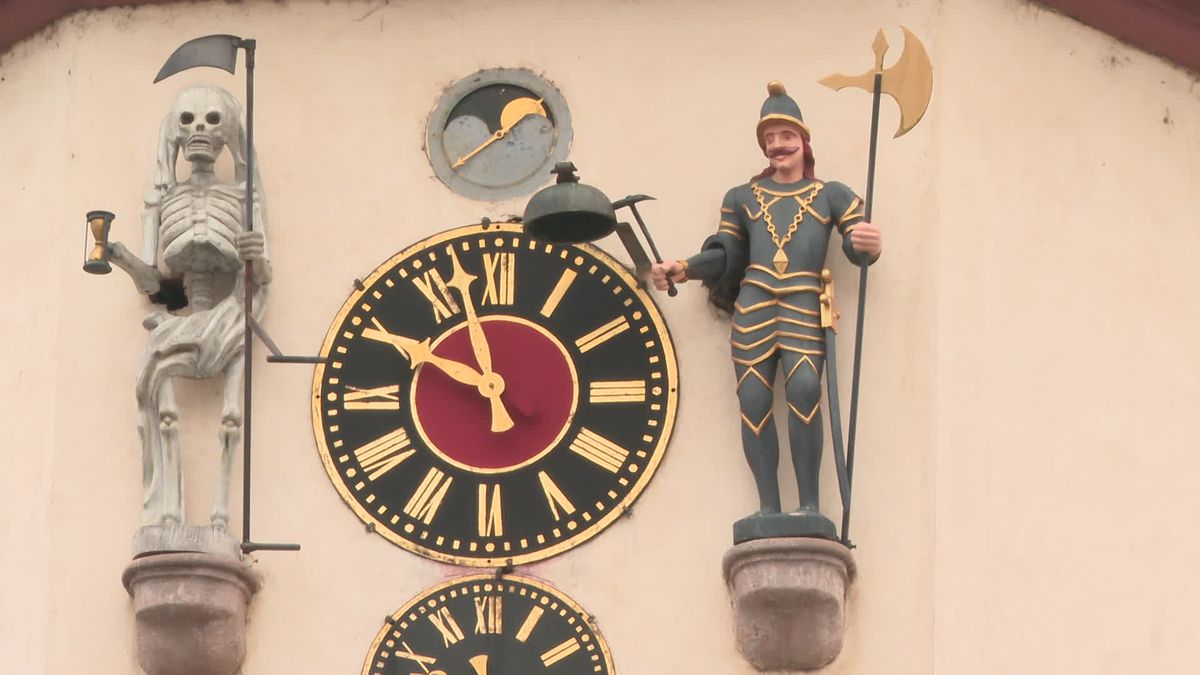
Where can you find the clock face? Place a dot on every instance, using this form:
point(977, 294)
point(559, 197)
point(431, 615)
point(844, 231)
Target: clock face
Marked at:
point(481, 625)
point(490, 399)
point(497, 134)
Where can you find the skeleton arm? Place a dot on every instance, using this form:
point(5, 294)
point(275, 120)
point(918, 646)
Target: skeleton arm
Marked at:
point(147, 279)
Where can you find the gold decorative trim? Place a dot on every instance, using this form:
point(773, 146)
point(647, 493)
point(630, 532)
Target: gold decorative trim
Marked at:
point(757, 374)
point(801, 310)
point(786, 290)
point(757, 429)
point(756, 360)
point(853, 204)
point(815, 185)
point(725, 210)
point(803, 359)
point(774, 334)
point(780, 117)
point(803, 418)
point(798, 350)
point(782, 277)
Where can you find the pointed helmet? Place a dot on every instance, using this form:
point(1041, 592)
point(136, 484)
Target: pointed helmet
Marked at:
point(779, 107)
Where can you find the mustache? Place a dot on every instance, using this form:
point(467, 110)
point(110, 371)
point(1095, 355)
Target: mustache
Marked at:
point(782, 152)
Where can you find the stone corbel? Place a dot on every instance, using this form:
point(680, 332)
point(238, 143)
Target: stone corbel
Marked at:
point(789, 599)
point(190, 611)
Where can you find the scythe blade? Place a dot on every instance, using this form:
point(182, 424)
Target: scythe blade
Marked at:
point(214, 51)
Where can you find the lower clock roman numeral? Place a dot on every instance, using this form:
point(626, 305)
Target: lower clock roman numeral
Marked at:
point(560, 652)
point(555, 496)
point(617, 391)
point(599, 450)
point(602, 334)
point(531, 621)
point(377, 398)
point(444, 622)
point(491, 515)
point(488, 614)
point(429, 495)
point(384, 454)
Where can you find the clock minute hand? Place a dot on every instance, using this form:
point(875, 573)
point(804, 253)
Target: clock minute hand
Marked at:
point(418, 352)
point(491, 384)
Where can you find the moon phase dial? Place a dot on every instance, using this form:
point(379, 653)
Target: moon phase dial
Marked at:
point(497, 133)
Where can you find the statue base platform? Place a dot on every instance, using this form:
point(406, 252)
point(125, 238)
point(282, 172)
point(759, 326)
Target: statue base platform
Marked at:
point(789, 598)
point(190, 611)
point(186, 538)
point(776, 525)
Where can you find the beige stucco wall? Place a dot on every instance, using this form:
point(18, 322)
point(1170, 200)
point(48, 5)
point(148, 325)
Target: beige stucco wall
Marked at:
point(1024, 499)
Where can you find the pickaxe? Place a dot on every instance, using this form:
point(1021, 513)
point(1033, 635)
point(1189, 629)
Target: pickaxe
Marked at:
point(910, 82)
point(631, 201)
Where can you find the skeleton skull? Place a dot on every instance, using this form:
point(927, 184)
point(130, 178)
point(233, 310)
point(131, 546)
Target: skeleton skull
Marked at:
point(204, 119)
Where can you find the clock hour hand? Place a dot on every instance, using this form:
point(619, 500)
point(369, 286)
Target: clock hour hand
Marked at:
point(479, 663)
point(418, 352)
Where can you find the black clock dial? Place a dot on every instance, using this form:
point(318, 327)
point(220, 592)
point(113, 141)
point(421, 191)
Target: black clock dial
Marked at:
point(491, 399)
point(481, 625)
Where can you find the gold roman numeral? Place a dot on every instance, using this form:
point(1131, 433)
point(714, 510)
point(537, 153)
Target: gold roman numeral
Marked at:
point(429, 495)
point(372, 398)
point(555, 497)
point(599, 450)
point(488, 615)
point(500, 271)
point(444, 622)
point(384, 453)
point(560, 290)
point(409, 654)
point(602, 334)
point(433, 287)
point(531, 621)
point(618, 391)
point(560, 652)
point(491, 517)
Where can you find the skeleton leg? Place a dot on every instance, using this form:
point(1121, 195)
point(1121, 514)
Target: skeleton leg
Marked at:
point(804, 424)
point(230, 434)
point(170, 471)
point(760, 442)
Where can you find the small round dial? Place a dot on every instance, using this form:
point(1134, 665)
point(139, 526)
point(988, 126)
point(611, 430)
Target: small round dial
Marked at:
point(481, 625)
point(490, 399)
point(497, 133)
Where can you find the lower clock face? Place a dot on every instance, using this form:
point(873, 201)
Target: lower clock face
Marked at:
point(492, 399)
point(481, 625)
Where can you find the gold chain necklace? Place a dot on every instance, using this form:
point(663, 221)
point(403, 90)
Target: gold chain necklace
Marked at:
point(781, 260)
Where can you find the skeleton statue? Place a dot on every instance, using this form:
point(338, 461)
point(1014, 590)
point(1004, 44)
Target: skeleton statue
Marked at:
point(198, 227)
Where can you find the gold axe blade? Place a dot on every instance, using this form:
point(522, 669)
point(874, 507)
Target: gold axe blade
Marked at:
point(909, 81)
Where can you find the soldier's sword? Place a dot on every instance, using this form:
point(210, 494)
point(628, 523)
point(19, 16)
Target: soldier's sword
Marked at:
point(829, 323)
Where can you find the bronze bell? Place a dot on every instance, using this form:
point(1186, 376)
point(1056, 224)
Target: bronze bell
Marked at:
point(569, 212)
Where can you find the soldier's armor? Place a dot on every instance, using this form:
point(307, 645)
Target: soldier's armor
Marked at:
point(777, 235)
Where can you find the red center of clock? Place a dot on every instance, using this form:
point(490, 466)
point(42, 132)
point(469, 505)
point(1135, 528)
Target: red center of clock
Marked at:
point(540, 393)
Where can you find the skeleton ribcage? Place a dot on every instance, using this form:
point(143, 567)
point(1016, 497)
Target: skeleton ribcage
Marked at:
point(199, 228)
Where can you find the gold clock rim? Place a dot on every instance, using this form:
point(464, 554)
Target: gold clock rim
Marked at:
point(654, 459)
point(542, 585)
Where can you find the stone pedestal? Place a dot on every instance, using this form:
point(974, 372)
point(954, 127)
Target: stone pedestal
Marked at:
point(789, 598)
point(190, 610)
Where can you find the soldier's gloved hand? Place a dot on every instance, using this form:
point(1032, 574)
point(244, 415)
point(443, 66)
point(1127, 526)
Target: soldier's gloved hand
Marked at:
point(250, 245)
point(867, 239)
point(668, 268)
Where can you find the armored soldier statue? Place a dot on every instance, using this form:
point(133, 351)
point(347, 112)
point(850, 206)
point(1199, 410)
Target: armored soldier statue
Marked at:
point(763, 267)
